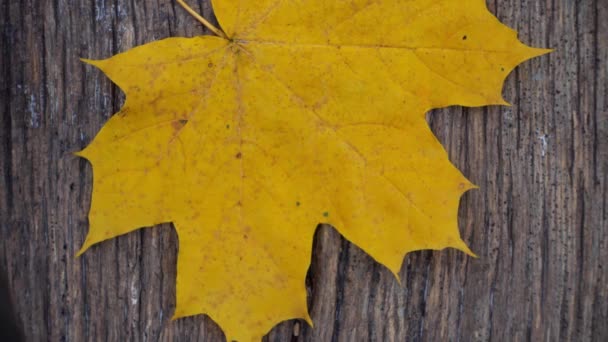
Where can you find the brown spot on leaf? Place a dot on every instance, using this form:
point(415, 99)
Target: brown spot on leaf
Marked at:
point(179, 124)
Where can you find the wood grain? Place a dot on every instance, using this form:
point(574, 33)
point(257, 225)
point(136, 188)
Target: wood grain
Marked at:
point(539, 223)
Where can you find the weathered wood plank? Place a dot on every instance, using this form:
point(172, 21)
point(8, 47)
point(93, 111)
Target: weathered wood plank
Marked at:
point(539, 221)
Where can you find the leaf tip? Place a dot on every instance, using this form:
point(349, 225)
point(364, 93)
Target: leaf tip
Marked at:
point(398, 278)
point(89, 61)
point(82, 154)
point(470, 253)
point(541, 51)
point(462, 246)
point(504, 102)
point(466, 186)
point(89, 241)
point(82, 249)
point(532, 52)
point(395, 268)
point(179, 313)
point(98, 63)
point(308, 320)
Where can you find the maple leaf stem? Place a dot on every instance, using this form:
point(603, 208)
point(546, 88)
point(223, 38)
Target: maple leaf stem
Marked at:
point(202, 20)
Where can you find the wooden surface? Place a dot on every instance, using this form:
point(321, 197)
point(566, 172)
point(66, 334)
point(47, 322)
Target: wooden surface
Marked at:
point(539, 222)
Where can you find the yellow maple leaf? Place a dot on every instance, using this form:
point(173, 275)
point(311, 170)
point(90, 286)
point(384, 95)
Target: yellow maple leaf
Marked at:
point(306, 111)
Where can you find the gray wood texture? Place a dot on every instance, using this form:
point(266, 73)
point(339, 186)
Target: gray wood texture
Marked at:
point(539, 222)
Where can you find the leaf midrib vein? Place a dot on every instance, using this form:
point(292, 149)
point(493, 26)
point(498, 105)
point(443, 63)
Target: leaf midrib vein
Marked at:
point(364, 46)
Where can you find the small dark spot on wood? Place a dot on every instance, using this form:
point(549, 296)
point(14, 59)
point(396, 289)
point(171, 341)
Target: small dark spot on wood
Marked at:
point(239, 155)
point(464, 37)
point(227, 126)
point(326, 214)
point(210, 65)
point(298, 203)
point(502, 69)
